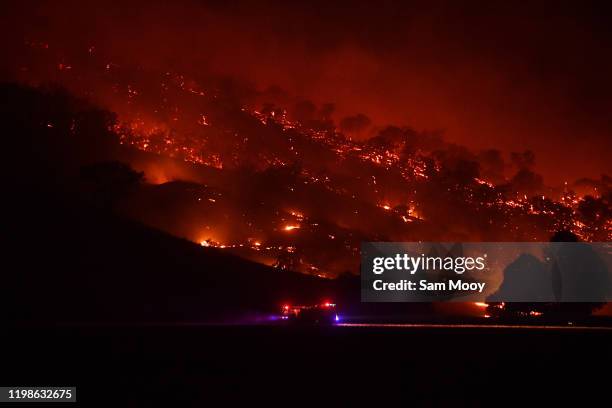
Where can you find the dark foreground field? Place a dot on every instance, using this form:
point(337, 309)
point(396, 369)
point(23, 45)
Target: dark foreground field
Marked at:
point(337, 366)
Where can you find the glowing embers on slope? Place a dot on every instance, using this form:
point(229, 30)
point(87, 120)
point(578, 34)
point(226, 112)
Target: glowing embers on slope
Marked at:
point(251, 244)
point(297, 214)
point(162, 140)
point(407, 213)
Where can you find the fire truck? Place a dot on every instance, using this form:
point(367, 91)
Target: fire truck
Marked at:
point(324, 313)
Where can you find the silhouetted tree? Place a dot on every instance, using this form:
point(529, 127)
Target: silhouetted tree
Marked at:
point(596, 214)
point(556, 280)
point(355, 124)
point(526, 182)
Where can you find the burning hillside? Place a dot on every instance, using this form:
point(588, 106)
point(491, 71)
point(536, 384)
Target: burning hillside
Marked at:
point(287, 187)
